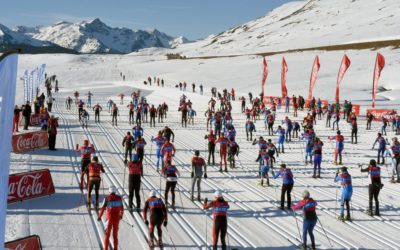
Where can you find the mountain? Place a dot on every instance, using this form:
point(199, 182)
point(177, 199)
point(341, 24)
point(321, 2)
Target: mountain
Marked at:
point(96, 37)
point(11, 39)
point(306, 24)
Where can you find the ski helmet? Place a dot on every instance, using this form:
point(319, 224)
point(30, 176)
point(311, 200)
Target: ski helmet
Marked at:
point(95, 159)
point(343, 169)
point(306, 194)
point(372, 162)
point(153, 193)
point(86, 142)
point(283, 165)
point(112, 189)
point(197, 153)
point(218, 194)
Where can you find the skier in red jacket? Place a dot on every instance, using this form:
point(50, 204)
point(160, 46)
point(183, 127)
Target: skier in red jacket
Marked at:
point(115, 211)
point(220, 211)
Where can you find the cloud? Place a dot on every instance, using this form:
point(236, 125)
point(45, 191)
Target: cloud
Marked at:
point(55, 17)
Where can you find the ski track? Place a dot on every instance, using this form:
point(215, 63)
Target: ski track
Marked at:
point(189, 226)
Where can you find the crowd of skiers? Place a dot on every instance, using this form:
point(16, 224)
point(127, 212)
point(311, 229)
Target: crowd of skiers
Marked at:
point(222, 133)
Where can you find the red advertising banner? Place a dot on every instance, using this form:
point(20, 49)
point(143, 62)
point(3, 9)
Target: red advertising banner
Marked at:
point(380, 113)
point(29, 185)
point(28, 243)
point(29, 141)
point(34, 120)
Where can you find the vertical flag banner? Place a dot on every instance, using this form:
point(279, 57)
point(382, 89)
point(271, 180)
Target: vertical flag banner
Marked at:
point(283, 77)
point(264, 77)
point(8, 79)
point(313, 77)
point(342, 70)
point(379, 65)
point(25, 85)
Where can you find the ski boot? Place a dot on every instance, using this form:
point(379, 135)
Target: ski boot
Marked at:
point(369, 212)
point(392, 180)
point(173, 204)
point(220, 170)
point(335, 162)
point(314, 176)
point(377, 212)
point(348, 218)
point(341, 218)
point(151, 243)
point(160, 243)
point(319, 175)
point(340, 163)
point(398, 180)
point(268, 183)
point(130, 209)
point(198, 198)
point(226, 170)
point(192, 198)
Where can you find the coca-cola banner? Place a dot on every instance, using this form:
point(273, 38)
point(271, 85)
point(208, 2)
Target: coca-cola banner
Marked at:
point(28, 243)
point(380, 113)
point(29, 141)
point(34, 120)
point(29, 185)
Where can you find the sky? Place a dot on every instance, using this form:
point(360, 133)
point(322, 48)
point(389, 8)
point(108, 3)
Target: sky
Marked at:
point(193, 19)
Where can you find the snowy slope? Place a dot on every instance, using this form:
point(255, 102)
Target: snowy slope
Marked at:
point(96, 37)
point(305, 24)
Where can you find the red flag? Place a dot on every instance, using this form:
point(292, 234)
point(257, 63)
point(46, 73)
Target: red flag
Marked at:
point(264, 76)
point(342, 70)
point(283, 77)
point(313, 77)
point(379, 64)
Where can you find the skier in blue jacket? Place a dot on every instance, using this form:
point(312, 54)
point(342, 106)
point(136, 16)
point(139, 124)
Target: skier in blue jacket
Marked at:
point(347, 191)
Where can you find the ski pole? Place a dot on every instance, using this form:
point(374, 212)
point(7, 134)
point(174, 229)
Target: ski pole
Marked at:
point(123, 183)
point(297, 224)
point(336, 188)
point(127, 223)
point(180, 196)
point(170, 238)
point(80, 201)
point(323, 229)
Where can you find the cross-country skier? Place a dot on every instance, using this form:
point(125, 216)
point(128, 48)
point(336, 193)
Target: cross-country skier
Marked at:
point(354, 129)
point(265, 165)
point(289, 128)
point(233, 149)
point(317, 152)
point(395, 148)
point(114, 114)
point(139, 145)
point(171, 174)
point(84, 118)
point(287, 184)
point(369, 118)
point(97, 108)
point(308, 205)
point(68, 102)
point(336, 117)
point(250, 128)
point(339, 139)
point(159, 141)
point(168, 133)
point(110, 104)
point(223, 142)
point(220, 215)
point(134, 180)
point(158, 217)
point(271, 149)
point(374, 188)
point(281, 139)
point(94, 170)
point(137, 131)
point(86, 155)
point(131, 112)
point(153, 115)
point(347, 190)
point(127, 142)
point(198, 164)
point(115, 211)
point(167, 151)
point(211, 147)
point(381, 147)
point(384, 125)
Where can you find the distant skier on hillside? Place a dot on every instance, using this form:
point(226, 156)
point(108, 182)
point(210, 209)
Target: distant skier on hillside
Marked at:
point(131, 113)
point(220, 216)
point(347, 191)
point(127, 143)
